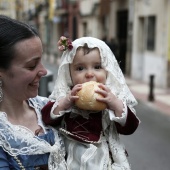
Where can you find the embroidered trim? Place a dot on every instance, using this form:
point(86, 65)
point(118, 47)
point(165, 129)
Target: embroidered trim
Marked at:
point(19, 163)
point(82, 139)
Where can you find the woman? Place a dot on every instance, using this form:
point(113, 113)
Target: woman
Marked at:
point(25, 142)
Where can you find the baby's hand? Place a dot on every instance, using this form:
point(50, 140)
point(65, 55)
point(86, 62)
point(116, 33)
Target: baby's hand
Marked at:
point(72, 95)
point(113, 103)
point(69, 100)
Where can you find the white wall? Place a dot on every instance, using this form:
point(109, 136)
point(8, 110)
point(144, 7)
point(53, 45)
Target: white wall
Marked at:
point(86, 9)
point(144, 62)
point(86, 6)
point(147, 64)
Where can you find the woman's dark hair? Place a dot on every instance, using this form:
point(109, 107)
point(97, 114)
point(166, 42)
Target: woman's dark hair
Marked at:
point(11, 32)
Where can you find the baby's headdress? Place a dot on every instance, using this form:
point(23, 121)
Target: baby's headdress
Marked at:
point(64, 44)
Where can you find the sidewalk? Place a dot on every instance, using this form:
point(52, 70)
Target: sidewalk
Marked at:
point(141, 92)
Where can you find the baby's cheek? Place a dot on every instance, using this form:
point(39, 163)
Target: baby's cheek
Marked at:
point(103, 80)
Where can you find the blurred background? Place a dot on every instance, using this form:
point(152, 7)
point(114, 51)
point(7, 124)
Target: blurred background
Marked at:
point(138, 33)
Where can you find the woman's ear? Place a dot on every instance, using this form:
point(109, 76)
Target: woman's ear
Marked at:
point(1, 72)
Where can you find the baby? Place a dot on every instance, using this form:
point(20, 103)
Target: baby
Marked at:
point(91, 137)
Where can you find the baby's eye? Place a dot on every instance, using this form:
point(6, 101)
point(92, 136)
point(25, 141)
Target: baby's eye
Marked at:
point(98, 67)
point(80, 68)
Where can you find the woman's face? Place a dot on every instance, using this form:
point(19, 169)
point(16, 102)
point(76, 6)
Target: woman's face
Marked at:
point(21, 80)
point(87, 67)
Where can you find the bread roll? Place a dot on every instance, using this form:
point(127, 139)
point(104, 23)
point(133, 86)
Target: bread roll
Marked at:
point(87, 97)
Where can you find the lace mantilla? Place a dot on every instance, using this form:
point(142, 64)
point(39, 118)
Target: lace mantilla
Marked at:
point(116, 148)
point(115, 82)
point(18, 140)
point(115, 79)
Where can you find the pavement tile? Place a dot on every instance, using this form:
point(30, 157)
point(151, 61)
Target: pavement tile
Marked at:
point(141, 92)
point(164, 99)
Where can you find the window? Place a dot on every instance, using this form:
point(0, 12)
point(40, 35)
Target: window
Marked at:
point(4, 5)
point(147, 33)
point(85, 28)
point(151, 33)
point(59, 3)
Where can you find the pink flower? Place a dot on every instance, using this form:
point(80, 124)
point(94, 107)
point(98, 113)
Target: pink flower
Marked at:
point(59, 43)
point(61, 48)
point(62, 38)
point(64, 44)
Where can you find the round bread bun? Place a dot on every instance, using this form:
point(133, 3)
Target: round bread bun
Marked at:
point(87, 97)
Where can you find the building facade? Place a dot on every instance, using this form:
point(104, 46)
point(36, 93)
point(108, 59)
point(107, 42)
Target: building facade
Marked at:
point(137, 31)
point(141, 31)
point(150, 41)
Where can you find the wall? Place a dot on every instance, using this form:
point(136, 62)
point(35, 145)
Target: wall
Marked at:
point(146, 62)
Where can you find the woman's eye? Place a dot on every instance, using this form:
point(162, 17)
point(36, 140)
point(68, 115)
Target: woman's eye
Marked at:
point(33, 64)
point(32, 67)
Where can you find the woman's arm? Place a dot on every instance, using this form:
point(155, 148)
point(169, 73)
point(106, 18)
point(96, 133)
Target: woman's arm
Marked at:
point(4, 165)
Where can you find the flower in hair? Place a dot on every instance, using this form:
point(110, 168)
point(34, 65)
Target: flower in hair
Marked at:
point(64, 44)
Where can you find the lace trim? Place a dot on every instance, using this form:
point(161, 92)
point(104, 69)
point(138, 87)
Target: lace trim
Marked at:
point(116, 148)
point(121, 120)
point(74, 110)
point(18, 140)
point(61, 113)
point(65, 132)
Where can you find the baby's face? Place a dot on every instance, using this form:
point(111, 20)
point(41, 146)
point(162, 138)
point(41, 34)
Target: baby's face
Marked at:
point(87, 67)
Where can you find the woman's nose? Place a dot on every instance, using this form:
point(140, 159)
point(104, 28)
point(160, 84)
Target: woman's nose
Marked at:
point(42, 71)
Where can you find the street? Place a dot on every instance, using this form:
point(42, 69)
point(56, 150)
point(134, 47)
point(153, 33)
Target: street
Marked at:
point(149, 146)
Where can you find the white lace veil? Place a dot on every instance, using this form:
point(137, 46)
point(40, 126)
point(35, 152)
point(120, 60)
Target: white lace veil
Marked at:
point(115, 79)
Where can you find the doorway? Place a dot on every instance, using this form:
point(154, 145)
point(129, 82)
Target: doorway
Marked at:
point(122, 21)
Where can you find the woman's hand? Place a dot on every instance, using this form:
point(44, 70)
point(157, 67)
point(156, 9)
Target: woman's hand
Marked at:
point(113, 103)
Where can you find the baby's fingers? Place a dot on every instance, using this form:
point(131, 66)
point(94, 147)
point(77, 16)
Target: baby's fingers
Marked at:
point(75, 89)
point(101, 92)
point(104, 87)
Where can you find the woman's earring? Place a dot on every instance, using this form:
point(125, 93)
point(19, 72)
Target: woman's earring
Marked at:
point(1, 94)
